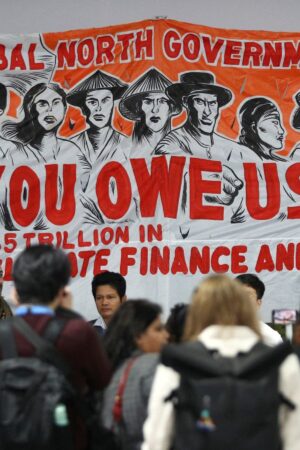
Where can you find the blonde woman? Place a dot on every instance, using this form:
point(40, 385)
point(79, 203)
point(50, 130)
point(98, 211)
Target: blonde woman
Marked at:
point(223, 319)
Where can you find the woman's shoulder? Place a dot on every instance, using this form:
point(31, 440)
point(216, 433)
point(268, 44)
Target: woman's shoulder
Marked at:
point(145, 362)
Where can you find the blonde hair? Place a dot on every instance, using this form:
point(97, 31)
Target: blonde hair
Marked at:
point(219, 300)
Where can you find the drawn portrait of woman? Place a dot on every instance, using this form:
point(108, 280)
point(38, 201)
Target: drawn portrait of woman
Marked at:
point(261, 128)
point(44, 107)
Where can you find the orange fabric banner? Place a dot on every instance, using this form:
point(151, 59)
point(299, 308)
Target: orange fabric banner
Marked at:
point(161, 149)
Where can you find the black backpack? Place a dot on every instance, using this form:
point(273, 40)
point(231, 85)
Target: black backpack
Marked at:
point(226, 403)
point(34, 391)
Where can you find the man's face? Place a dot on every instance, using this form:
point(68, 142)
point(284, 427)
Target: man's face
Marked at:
point(156, 107)
point(100, 105)
point(50, 109)
point(206, 110)
point(107, 301)
point(270, 130)
point(252, 295)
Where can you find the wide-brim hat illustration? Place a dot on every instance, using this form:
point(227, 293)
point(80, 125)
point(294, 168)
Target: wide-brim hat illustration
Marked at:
point(198, 82)
point(98, 80)
point(296, 116)
point(151, 82)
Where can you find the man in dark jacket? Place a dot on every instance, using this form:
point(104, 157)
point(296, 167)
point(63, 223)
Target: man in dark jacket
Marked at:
point(41, 274)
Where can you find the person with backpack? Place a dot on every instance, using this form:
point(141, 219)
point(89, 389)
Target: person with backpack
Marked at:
point(223, 388)
point(48, 361)
point(133, 340)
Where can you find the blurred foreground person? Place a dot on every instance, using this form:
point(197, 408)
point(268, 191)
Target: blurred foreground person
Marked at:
point(49, 347)
point(133, 339)
point(224, 388)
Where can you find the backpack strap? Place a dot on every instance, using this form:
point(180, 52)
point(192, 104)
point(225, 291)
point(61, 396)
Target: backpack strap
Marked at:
point(54, 329)
point(118, 404)
point(45, 350)
point(7, 340)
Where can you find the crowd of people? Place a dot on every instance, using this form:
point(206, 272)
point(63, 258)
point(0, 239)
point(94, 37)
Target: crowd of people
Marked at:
point(211, 377)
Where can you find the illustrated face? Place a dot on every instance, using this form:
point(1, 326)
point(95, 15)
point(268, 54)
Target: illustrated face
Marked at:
point(206, 110)
point(270, 130)
point(100, 105)
point(107, 301)
point(156, 108)
point(50, 109)
point(153, 338)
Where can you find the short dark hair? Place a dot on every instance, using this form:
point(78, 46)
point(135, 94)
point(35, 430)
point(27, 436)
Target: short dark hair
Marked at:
point(127, 324)
point(39, 272)
point(249, 279)
point(3, 96)
point(113, 279)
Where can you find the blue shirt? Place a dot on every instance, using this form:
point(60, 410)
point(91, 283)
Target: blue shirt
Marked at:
point(34, 309)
